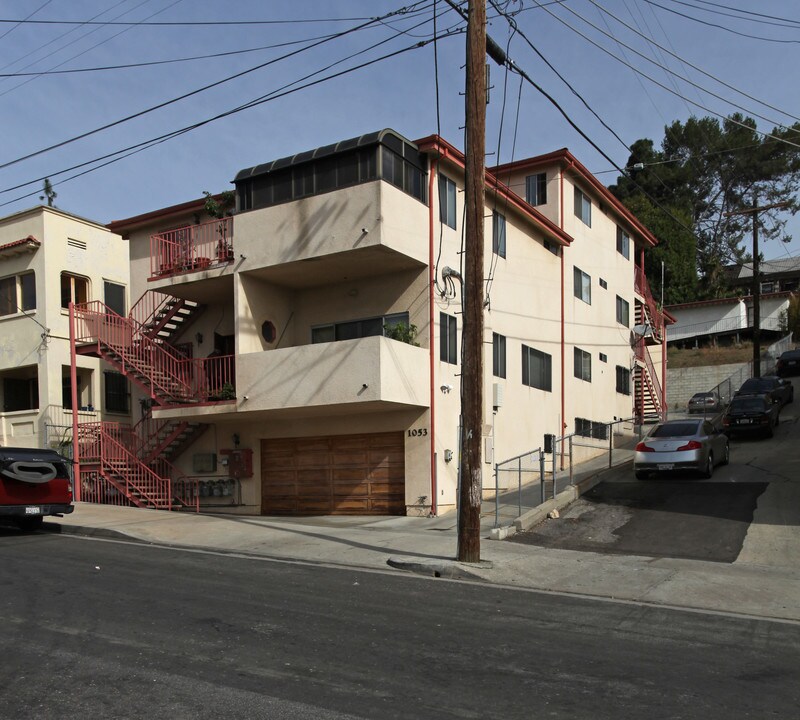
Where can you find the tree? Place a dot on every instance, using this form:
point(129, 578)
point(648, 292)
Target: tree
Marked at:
point(49, 193)
point(704, 170)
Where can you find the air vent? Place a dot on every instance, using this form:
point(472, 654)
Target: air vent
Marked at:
point(80, 244)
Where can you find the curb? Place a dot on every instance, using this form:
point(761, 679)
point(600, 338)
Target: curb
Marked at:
point(448, 569)
point(84, 530)
point(565, 498)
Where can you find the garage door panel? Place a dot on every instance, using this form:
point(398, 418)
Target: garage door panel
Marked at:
point(348, 474)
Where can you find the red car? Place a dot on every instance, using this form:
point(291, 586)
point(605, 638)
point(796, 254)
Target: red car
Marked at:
point(33, 483)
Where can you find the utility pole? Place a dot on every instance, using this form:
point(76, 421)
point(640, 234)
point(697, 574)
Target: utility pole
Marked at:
point(756, 285)
point(469, 507)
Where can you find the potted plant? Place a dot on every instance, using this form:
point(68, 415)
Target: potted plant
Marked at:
point(221, 207)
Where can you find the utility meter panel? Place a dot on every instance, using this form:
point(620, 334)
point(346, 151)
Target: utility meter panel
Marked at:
point(240, 463)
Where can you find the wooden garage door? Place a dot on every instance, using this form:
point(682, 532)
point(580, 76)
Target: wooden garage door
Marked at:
point(339, 474)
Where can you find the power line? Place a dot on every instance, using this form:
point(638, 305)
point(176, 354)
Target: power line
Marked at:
point(11, 29)
point(127, 66)
point(689, 64)
point(188, 94)
point(755, 17)
point(187, 23)
point(722, 27)
point(139, 147)
point(668, 89)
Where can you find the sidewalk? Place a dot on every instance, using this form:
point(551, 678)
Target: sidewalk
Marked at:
point(428, 545)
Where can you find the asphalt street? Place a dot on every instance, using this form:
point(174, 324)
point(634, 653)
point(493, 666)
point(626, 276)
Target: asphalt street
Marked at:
point(102, 628)
point(680, 515)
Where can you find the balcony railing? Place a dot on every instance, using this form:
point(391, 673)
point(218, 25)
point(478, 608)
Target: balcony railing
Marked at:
point(655, 315)
point(192, 248)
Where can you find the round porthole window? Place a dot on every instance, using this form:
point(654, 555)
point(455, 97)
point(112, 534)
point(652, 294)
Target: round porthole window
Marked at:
point(268, 331)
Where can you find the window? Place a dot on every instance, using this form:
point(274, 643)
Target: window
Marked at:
point(537, 369)
point(20, 393)
point(623, 243)
point(499, 234)
point(551, 246)
point(590, 428)
point(583, 365)
point(17, 293)
point(583, 286)
point(603, 284)
point(583, 208)
point(117, 393)
point(73, 289)
point(114, 295)
point(447, 201)
point(498, 355)
point(623, 380)
point(536, 189)
point(448, 338)
point(603, 357)
point(354, 329)
point(623, 312)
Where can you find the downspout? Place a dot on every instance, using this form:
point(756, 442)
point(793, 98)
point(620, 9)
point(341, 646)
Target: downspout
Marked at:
point(73, 378)
point(431, 343)
point(664, 370)
point(563, 367)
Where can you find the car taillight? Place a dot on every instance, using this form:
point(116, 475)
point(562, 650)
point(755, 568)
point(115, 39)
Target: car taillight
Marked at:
point(641, 447)
point(764, 420)
point(726, 421)
point(691, 445)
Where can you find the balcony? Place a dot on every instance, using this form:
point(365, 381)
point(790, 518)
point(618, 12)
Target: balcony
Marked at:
point(192, 248)
point(367, 374)
point(361, 231)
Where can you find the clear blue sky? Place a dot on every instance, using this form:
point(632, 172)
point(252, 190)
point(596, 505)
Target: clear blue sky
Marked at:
point(399, 92)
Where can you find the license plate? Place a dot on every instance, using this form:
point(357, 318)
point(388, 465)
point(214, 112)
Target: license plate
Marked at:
point(744, 422)
point(33, 510)
point(665, 466)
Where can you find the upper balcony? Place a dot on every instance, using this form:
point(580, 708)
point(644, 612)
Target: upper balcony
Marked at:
point(369, 229)
point(654, 315)
point(192, 248)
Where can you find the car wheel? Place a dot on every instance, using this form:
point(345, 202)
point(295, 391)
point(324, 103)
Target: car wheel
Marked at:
point(30, 523)
point(726, 454)
point(709, 471)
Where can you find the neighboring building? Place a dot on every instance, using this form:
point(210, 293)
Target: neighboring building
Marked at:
point(48, 258)
point(309, 346)
point(782, 275)
point(705, 320)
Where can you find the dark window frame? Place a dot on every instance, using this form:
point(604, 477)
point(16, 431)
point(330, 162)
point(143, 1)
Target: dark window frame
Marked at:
point(498, 355)
point(623, 243)
point(623, 380)
point(536, 189)
point(499, 234)
point(537, 369)
point(448, 202)
point(583, 207)
point(582, 285)
point(623, 312)
point(116, 393)
point(582, 364)
point(448, 338)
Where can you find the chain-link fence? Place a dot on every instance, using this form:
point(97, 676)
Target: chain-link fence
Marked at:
point(528, 480)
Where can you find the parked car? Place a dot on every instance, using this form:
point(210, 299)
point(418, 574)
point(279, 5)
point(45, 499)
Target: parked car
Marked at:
point(788, 363)
point(751, 415)
point(704, 402)
point(769, 385)
point(675, 445)
point(33, 483)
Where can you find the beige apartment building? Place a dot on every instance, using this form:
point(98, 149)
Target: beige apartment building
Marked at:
point(49, 258)
point(302, 355)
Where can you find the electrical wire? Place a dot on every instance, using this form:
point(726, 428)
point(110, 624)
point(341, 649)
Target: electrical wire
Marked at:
point(689, 64)
point(96, 45)
point(197, 91)
point(668, 89)
point(755, 17)
point(721, 27)
point(22, 22)
point(139, 147)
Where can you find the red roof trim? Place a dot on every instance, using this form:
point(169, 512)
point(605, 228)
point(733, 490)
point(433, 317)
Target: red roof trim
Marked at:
point(565, 157)
point(118, 226)
point(28, 240)
point(437, 145)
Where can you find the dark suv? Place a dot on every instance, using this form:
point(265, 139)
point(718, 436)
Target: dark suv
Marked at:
point(33, 483)
point(778, 390)
point(788, 363)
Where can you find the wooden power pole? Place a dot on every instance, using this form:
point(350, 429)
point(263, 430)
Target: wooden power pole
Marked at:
point(756, 286)
point(469, 507)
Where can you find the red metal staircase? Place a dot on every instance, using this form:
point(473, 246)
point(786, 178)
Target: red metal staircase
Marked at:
point(124, 465)
point(650, 403)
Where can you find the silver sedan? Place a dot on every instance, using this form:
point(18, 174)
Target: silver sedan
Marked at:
point(678, 445)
